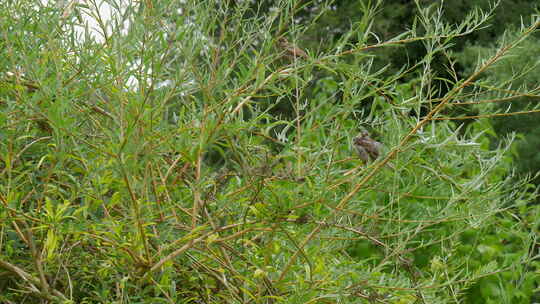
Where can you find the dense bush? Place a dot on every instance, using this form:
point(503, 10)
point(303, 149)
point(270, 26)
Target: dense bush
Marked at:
point(190, 156)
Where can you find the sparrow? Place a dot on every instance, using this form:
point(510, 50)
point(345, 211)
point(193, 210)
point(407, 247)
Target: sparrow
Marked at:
point(366, 147)
point(291, 51)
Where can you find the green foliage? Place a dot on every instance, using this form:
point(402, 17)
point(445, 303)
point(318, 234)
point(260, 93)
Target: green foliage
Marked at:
point(519, 75)
point(189, 158)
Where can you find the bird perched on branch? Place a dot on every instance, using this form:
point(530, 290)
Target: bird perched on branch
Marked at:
point(291, 51)
point(366, 147)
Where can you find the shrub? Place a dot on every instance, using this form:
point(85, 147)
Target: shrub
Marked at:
point(190, 157)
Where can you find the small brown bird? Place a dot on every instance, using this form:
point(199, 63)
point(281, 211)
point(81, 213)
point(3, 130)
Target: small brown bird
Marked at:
point(366, 147)
point(291, 51)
